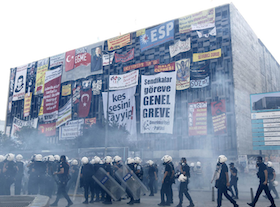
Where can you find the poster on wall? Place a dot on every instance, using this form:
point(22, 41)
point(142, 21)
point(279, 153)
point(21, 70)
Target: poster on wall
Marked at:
point(106, 58)
point(51, 94)
point(42, 67)
point(124, 57)
point(218, 109)
point(66, 90)
point(31, 77)
point(71, 130)
point(207, 55)
point(121, 108)
point(27, 104)
point(47, 130)
point(64, 113)
point(87, 61)
point(96, 87)
point(57, 60)
point(198, 21)
point(119, 42)
point(18, 124)
point(183, 74)
point(197, 114)
point(158, 102)
point(20, 83)
point(200, 76)
point(12, 81)
point(157, 36)
point(119, 82)
point(180, 46)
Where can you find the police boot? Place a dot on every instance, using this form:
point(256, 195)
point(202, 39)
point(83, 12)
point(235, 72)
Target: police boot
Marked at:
point(191, 205)
point(179, 205)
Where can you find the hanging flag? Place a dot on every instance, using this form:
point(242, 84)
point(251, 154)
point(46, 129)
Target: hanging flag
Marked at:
point(69, 60)
point(85, 103)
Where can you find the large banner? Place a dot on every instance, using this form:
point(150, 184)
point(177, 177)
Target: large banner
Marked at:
point(47, 129)
point(165, 67)
point(207, 55)
point(42, 67)
point(87, 61)
point(218, 109)
point(183, 74)
point(51, 94)
point(140, 65)
point(158, 102)
point(201, 20)
point(20, 83)
point(119, 42)
point(31, 77)
point(119, 82)
point(27, 104)
point(106, 58)
point(180, 46)
point(12, 81)
point(71, 130)
point(85, 103)
point(197, 118)
point(200, 77)
point(157, 36)
point(57, 60)
point(124, 58)
point(64, 114)
point(18, 124)
point(121, 108)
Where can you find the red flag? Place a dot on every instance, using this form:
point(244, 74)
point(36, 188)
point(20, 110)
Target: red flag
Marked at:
point(85, 103)
point(69, 60)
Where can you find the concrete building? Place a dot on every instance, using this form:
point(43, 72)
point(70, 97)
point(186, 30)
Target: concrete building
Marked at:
point(245, 67)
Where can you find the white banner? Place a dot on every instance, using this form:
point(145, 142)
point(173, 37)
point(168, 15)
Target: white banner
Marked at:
point(18, 124)
point(96, 87)
point(71, 130)
point(158, 102)
point(57, 60)
point(200, 83)
point(212, 33)
point(180, 46)
point(121, 108)
point(106, 58)
point(64, 114)
point(20, 83)
point(119, 82)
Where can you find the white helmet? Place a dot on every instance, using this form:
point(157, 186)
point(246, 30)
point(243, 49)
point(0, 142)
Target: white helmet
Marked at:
point(150, 162)
point(130, 160)
point(51, 158)
point(67, 159)
point(198, 164)
point(56, 157)
point(275, 183)
point(166, 158)
point(84, 160)
point(137, 160)
point(101, 162)
point(170, 158)
point(96, 159)
point(117, 158)
point(39, 158)
point(108, 159)
point(45, 158)
point(19, 158)
point(10, 157)
point(192, 164)
point(92, 161)
point(2, 158)
point(222, 159)
point(269, 164)
point(74, 162)
point(182, 178)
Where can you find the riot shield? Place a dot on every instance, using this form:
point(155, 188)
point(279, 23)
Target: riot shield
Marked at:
point(131, 181)
point(109, 184)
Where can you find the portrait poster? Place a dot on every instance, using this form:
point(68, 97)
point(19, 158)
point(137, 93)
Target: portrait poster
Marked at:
point(183, 74)
point(20, 83)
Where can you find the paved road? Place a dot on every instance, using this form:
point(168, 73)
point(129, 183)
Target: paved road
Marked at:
point(201, 199)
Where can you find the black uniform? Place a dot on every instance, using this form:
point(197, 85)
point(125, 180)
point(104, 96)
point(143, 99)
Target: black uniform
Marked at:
point(74, 172)
point(97, 189)
point(1, 178)
point(172, 179)
point(185, 170)
point(108, 169)
point(271, 172)
point(165, 187)
point(222, 186)
point(233, 182)
point(9, 171)
point(87, 180)
point(138, 170)
point(152, 178)
point(18, 178)
point(131, 166)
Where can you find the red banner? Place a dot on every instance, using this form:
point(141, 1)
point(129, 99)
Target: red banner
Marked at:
point(218, 109)
point(89, 122)
point(164, 68)
point(124, 58)
point(82, 59)
point(69, 60)
point(140, 65)
point(47, 129)
point(51, 94)
point(85, 103)
point(197, 118)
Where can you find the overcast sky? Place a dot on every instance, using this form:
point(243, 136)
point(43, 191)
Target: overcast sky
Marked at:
point(32, 30)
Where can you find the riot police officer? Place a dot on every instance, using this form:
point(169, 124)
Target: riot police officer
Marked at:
point(9, 170)
point(87, 180)
point(233, 180)
point(138, 170)
point(2, 158)
point(166, 182)
point(152, 176)
point(271, 179)
point(19, 175)
point(109, 170)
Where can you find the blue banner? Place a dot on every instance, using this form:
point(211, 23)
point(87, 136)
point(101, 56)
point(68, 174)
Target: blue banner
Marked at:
point(157, 36)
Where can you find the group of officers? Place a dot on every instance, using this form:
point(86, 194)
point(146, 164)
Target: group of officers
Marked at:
point(51, 174)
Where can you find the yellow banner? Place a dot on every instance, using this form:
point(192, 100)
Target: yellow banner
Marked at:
point(27, 104)
point(201, 20)
point(66, 90)
point(40, 79)
point(140, 32)
point(207, 55)
point(41, 108)
point(119, 42)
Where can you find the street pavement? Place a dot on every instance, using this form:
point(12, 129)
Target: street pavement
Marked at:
point(201, 198)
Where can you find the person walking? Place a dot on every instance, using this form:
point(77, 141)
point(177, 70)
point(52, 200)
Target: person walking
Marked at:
point(233, 181)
